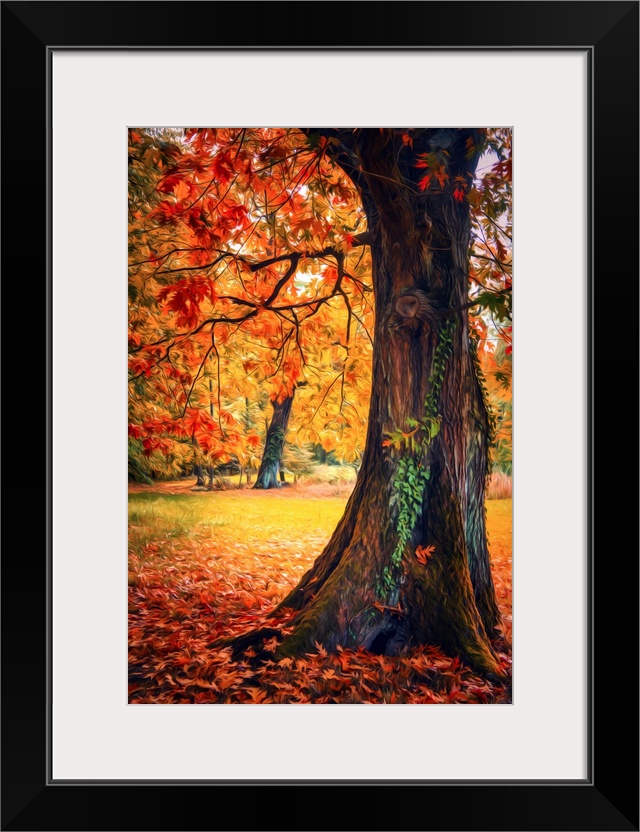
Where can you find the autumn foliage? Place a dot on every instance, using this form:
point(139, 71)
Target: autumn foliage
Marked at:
point(216, 296)
point(257, 259)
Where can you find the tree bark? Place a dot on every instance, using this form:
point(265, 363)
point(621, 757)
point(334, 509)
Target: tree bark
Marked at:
point(199, 475)
point(477, 474)
point(198, 471)
point(359, 593)
point(274, 445)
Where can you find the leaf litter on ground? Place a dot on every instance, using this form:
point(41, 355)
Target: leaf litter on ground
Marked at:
point(209, 566)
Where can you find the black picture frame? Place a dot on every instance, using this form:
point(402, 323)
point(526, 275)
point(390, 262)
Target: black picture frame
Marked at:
point(608, 798)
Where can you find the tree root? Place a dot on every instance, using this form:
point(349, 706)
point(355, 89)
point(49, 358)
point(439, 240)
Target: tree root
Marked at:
point(241, 643)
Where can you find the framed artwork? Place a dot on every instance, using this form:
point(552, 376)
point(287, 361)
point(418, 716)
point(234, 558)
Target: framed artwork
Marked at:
point(320, 342)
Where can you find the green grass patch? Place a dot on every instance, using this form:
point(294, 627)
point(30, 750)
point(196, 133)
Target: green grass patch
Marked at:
point(260, 516)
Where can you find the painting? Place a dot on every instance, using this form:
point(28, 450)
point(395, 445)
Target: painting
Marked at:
point(319, 415)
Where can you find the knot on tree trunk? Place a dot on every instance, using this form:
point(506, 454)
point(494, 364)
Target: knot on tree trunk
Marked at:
point(413, 306)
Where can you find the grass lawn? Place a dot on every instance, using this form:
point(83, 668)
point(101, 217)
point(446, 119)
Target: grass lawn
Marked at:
point(247, 516)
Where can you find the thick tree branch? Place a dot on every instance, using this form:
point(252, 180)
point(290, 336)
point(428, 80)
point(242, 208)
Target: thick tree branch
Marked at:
point(342, 152)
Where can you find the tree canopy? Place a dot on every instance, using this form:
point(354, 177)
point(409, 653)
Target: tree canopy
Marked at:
point(250, 277)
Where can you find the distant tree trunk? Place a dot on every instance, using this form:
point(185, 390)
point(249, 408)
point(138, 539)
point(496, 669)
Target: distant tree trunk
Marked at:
point(210, 471)
point(274, 445)
point(249, 476)
point(199, 475)
point(197, 466)
point(282, 477)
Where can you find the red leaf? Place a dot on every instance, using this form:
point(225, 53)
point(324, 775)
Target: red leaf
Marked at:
point(424, 183)
point(185, 297)
point(423, 554)
point(168, 184)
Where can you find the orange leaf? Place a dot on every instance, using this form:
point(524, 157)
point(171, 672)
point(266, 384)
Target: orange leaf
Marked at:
point(321, 651)
point(423, 554)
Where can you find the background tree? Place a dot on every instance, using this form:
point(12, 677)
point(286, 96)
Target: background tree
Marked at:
point(298, 459)
point(260, 348)
point(270, 473)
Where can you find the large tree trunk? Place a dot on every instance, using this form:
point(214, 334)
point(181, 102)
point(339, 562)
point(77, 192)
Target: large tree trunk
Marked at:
point(369, 588)
point(274, 445)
